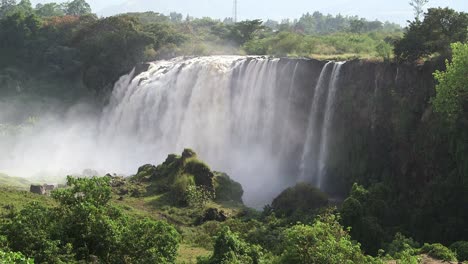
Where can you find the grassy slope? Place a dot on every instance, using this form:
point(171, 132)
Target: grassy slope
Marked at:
point(17, 199)
point(16, 182)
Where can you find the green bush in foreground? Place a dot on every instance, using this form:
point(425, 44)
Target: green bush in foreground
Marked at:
point(14, 258)
point(230, 249)
point(85, 227)
point(323, 242)
point(438, 251)
point(461, 248)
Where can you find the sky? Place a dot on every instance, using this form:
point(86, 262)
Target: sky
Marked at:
point(397, 11)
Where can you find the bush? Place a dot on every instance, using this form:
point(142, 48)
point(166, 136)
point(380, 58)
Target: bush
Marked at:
point(229, 248)
point(323, 242)
point(461, 249)
point(438, 251)
point(84, 226)
point(403, 250)
point(198, 196)
point(14, 258)
point(148, 241)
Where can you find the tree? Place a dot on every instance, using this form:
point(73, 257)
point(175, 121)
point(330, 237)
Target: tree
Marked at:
point(176, 17)
point(440, 28)
point(6, 6)
point(356, 26)
point(24, 6)
point(452, 89)
point(49, 10)
point(244, 31)
point(78, 8)
point(109, 48)
point(418, 6)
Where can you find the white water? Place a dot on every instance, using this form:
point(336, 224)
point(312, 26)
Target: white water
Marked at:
point(231, 110)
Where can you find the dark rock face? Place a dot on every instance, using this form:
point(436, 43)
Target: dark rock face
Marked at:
point(37, 189)
point(380, 112)
point(45, 189)
point(213, 214)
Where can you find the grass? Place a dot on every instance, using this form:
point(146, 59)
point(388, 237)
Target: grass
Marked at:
point(16, 182)
point(11, 198)
point(188, 254)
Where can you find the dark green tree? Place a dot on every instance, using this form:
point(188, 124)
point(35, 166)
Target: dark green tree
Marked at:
point(6, 7)
point(440, 28)
point(109, 48)
point(49, 10)
point(78, 8)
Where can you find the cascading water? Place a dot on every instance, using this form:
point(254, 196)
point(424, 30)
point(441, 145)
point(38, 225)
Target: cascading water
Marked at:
point(264, 121)
point(315, 153)
point(229, 109)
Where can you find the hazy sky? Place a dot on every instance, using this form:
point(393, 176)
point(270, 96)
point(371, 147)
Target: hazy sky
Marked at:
point(392, 10)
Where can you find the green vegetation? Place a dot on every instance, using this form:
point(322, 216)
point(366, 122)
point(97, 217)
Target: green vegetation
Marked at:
point(452, 91)
point(181, 209)
point(440, 28)
point(137, 220)
point(439, 251)
point(461, 249)
point(14, 258)
point(6, 180)
point(84, 226)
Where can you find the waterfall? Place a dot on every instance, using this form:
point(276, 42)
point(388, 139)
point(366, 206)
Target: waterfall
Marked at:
point(308, 163)
point(327, 122)
point(264, 121)
point(315, 152)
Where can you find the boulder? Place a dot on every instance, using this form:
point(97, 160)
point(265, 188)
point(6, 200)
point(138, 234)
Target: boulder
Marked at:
point(213, 214)
point(37, 189)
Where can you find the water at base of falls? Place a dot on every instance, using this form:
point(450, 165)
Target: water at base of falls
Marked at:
point(236, 112)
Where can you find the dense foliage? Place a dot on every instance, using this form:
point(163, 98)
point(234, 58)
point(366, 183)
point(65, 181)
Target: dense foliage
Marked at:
point(452, 88)
point(86, 227)
point(440, 28)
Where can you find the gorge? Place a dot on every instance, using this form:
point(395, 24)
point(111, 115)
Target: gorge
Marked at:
point(267, 122)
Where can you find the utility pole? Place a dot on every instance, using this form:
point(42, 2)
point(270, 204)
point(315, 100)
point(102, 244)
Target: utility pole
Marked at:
point(234, 11)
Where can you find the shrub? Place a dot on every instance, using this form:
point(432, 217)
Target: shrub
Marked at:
point(148, 241)
point(438, 251)
point(401, 243)
point(229, 248)
point(461, 249)
point(14, 258)
point(198, 196)
point(403, 250)
point(180, 187)
point(323, 242)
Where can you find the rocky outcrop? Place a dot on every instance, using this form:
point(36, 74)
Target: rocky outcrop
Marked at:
point(45, 189)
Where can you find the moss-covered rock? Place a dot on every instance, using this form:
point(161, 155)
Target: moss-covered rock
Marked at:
point(145, 172)
point(302, 198)
point(226, 189)
point(177, 173)
point(201, 172)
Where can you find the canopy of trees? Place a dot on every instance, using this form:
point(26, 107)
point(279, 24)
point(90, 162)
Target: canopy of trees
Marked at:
point(440, 28)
